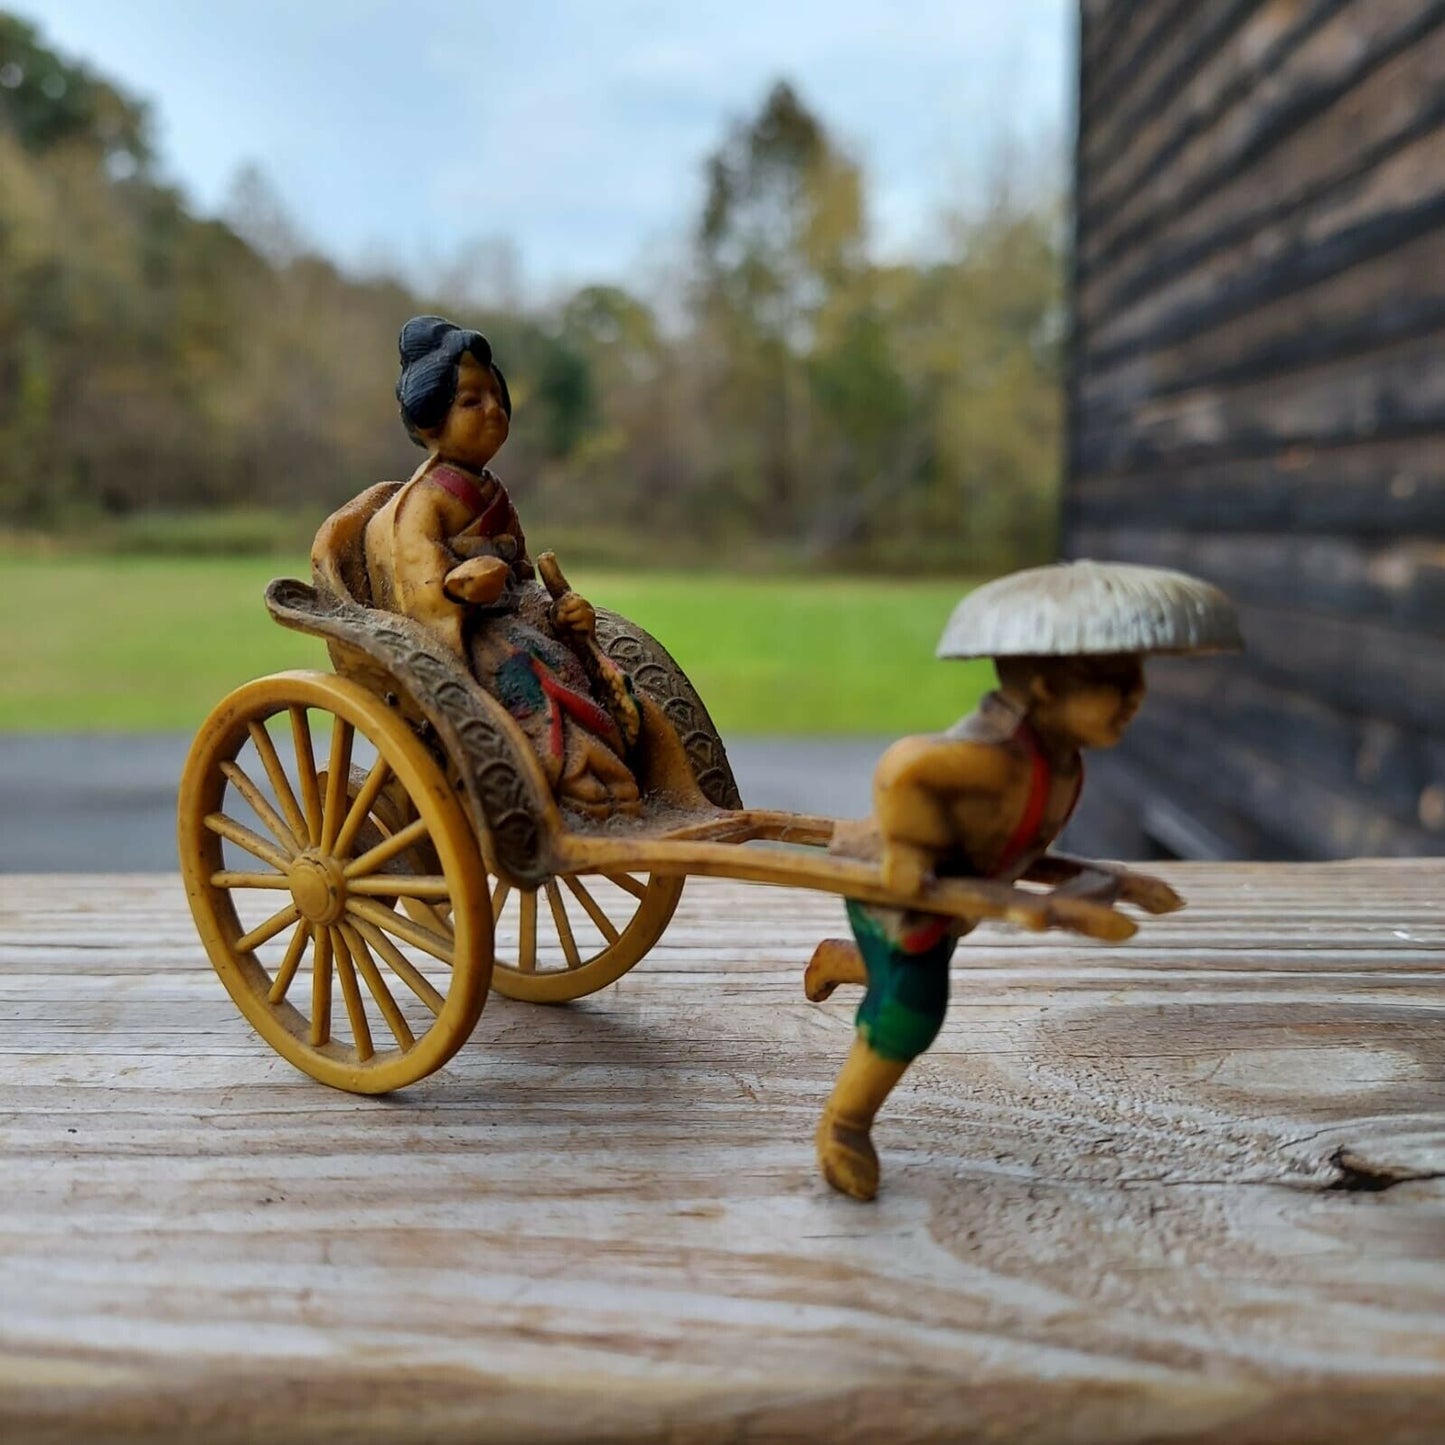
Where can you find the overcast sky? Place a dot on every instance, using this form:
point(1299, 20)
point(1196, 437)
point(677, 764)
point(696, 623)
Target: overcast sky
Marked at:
point(574, 128)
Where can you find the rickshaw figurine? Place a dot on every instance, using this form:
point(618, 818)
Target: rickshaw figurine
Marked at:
point(988, 798)
point(501, 784)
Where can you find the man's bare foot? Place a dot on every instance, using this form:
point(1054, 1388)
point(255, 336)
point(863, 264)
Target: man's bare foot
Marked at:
point(847, 1157)
point(834, 961)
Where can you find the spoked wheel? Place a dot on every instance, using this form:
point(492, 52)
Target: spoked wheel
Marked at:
point(576, 934)
point(294, 873)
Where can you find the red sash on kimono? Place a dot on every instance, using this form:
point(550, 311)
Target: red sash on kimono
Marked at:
point(492, 516)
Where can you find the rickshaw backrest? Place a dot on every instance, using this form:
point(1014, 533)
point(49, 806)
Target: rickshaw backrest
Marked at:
point(338, 555)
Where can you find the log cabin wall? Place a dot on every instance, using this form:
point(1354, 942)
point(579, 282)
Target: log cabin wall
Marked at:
point(1257, 396)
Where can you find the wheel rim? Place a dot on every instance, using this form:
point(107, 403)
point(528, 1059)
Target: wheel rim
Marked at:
point(294, 871)
point(576, 934)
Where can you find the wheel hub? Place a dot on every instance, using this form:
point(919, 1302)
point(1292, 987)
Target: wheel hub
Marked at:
point(319, 888)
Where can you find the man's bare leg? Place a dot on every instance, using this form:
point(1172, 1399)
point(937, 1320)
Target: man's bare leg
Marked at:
point(846, 1154)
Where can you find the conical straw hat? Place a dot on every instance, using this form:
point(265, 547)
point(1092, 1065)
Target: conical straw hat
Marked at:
point(1076, 609)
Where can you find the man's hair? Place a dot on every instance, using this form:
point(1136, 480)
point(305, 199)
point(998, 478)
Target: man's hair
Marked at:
point(1064, 671)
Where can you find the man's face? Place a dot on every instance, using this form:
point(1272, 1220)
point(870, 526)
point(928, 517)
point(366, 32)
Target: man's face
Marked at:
point(1090, 700)
point(476, 426)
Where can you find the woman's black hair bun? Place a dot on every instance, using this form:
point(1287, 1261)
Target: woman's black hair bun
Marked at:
point(421, 336)
point(431, 347)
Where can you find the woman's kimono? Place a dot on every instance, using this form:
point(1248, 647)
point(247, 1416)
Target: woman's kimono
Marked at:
point(445, 516)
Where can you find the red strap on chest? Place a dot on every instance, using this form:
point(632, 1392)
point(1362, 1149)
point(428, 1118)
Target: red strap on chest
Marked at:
point(463, 488)
point(1025, 835)
point(499, 516)
point(1027, 828)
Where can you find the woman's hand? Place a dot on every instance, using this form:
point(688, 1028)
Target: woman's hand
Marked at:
point(574, 614)
point(570, 612)
point(478, 581)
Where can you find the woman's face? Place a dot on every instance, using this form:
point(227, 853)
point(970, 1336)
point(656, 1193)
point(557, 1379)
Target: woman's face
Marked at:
point(476, 426)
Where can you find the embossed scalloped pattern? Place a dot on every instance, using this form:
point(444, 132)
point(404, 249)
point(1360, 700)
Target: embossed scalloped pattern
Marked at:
point(659, 678)
point(502, 797)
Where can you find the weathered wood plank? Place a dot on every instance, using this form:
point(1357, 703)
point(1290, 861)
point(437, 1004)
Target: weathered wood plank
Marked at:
point(1188, 1190)
point(1393, 298)
point(1370, 489)
point(1251, 113)
point(1401, 582)
point(1132, 813)
point(1399, 395)
point(1135, 39)
point(1394, 107)
point(1397, 770)
point(1220, 62)
point(1392, 205)
point(1364, 667)
point(1272, 780)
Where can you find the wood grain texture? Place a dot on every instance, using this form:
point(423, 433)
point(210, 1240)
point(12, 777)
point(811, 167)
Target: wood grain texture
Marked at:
point(1371, 305)
point(1396, 202)
point(1256, 398)
point(1395, 393)
point(1193, 84)
point(1190, 1188)
point(1391, 108)
point(1281, 72)
point(1364, 488)
point(1400, 582)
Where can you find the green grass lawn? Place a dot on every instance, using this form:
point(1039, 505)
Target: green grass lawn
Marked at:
point(106, 642)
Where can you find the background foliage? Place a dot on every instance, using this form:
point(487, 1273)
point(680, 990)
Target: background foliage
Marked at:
point(790, 399)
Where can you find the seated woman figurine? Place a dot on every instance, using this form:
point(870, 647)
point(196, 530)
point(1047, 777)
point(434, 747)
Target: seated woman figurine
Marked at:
point(448, 551)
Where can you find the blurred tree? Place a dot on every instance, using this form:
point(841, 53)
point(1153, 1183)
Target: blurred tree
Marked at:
point(797, 399)
point(45, 101)
point(781, 232)
point(255, 211)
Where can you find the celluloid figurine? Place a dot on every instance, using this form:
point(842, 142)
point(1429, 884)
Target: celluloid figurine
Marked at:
point(448, 551)
point(986, 799)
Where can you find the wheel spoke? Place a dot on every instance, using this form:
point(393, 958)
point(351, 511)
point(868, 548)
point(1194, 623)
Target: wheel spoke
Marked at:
point(527, 933)
point(627, 883)
point(279, 782)
point(269, 929)
point(418, 935)
point(306, 772)
point(401, 885)
point(290, 963)
point(564, 926)
point(351, 992)
point(228, 879)
point(243, 837)
point(400, 965)
point(387, 849)
point(321, 989)
point(594, 909)
point(366, 966)
point(336, 780)
point(361, 806)
point(499, 897)
point(263, 810)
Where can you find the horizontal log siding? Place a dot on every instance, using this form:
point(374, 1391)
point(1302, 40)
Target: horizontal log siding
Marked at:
point(1258, 397)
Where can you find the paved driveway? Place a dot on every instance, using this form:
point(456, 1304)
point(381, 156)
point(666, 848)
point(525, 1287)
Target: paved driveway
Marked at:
point(107, 802)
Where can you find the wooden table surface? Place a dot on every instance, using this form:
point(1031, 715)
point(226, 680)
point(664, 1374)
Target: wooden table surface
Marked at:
point(1191, 1188)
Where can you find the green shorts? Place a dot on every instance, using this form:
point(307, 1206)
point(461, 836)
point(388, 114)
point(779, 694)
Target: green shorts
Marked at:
point(907, 957)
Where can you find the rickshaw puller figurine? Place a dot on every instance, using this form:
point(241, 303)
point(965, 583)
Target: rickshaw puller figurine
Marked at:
point(987, 798)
